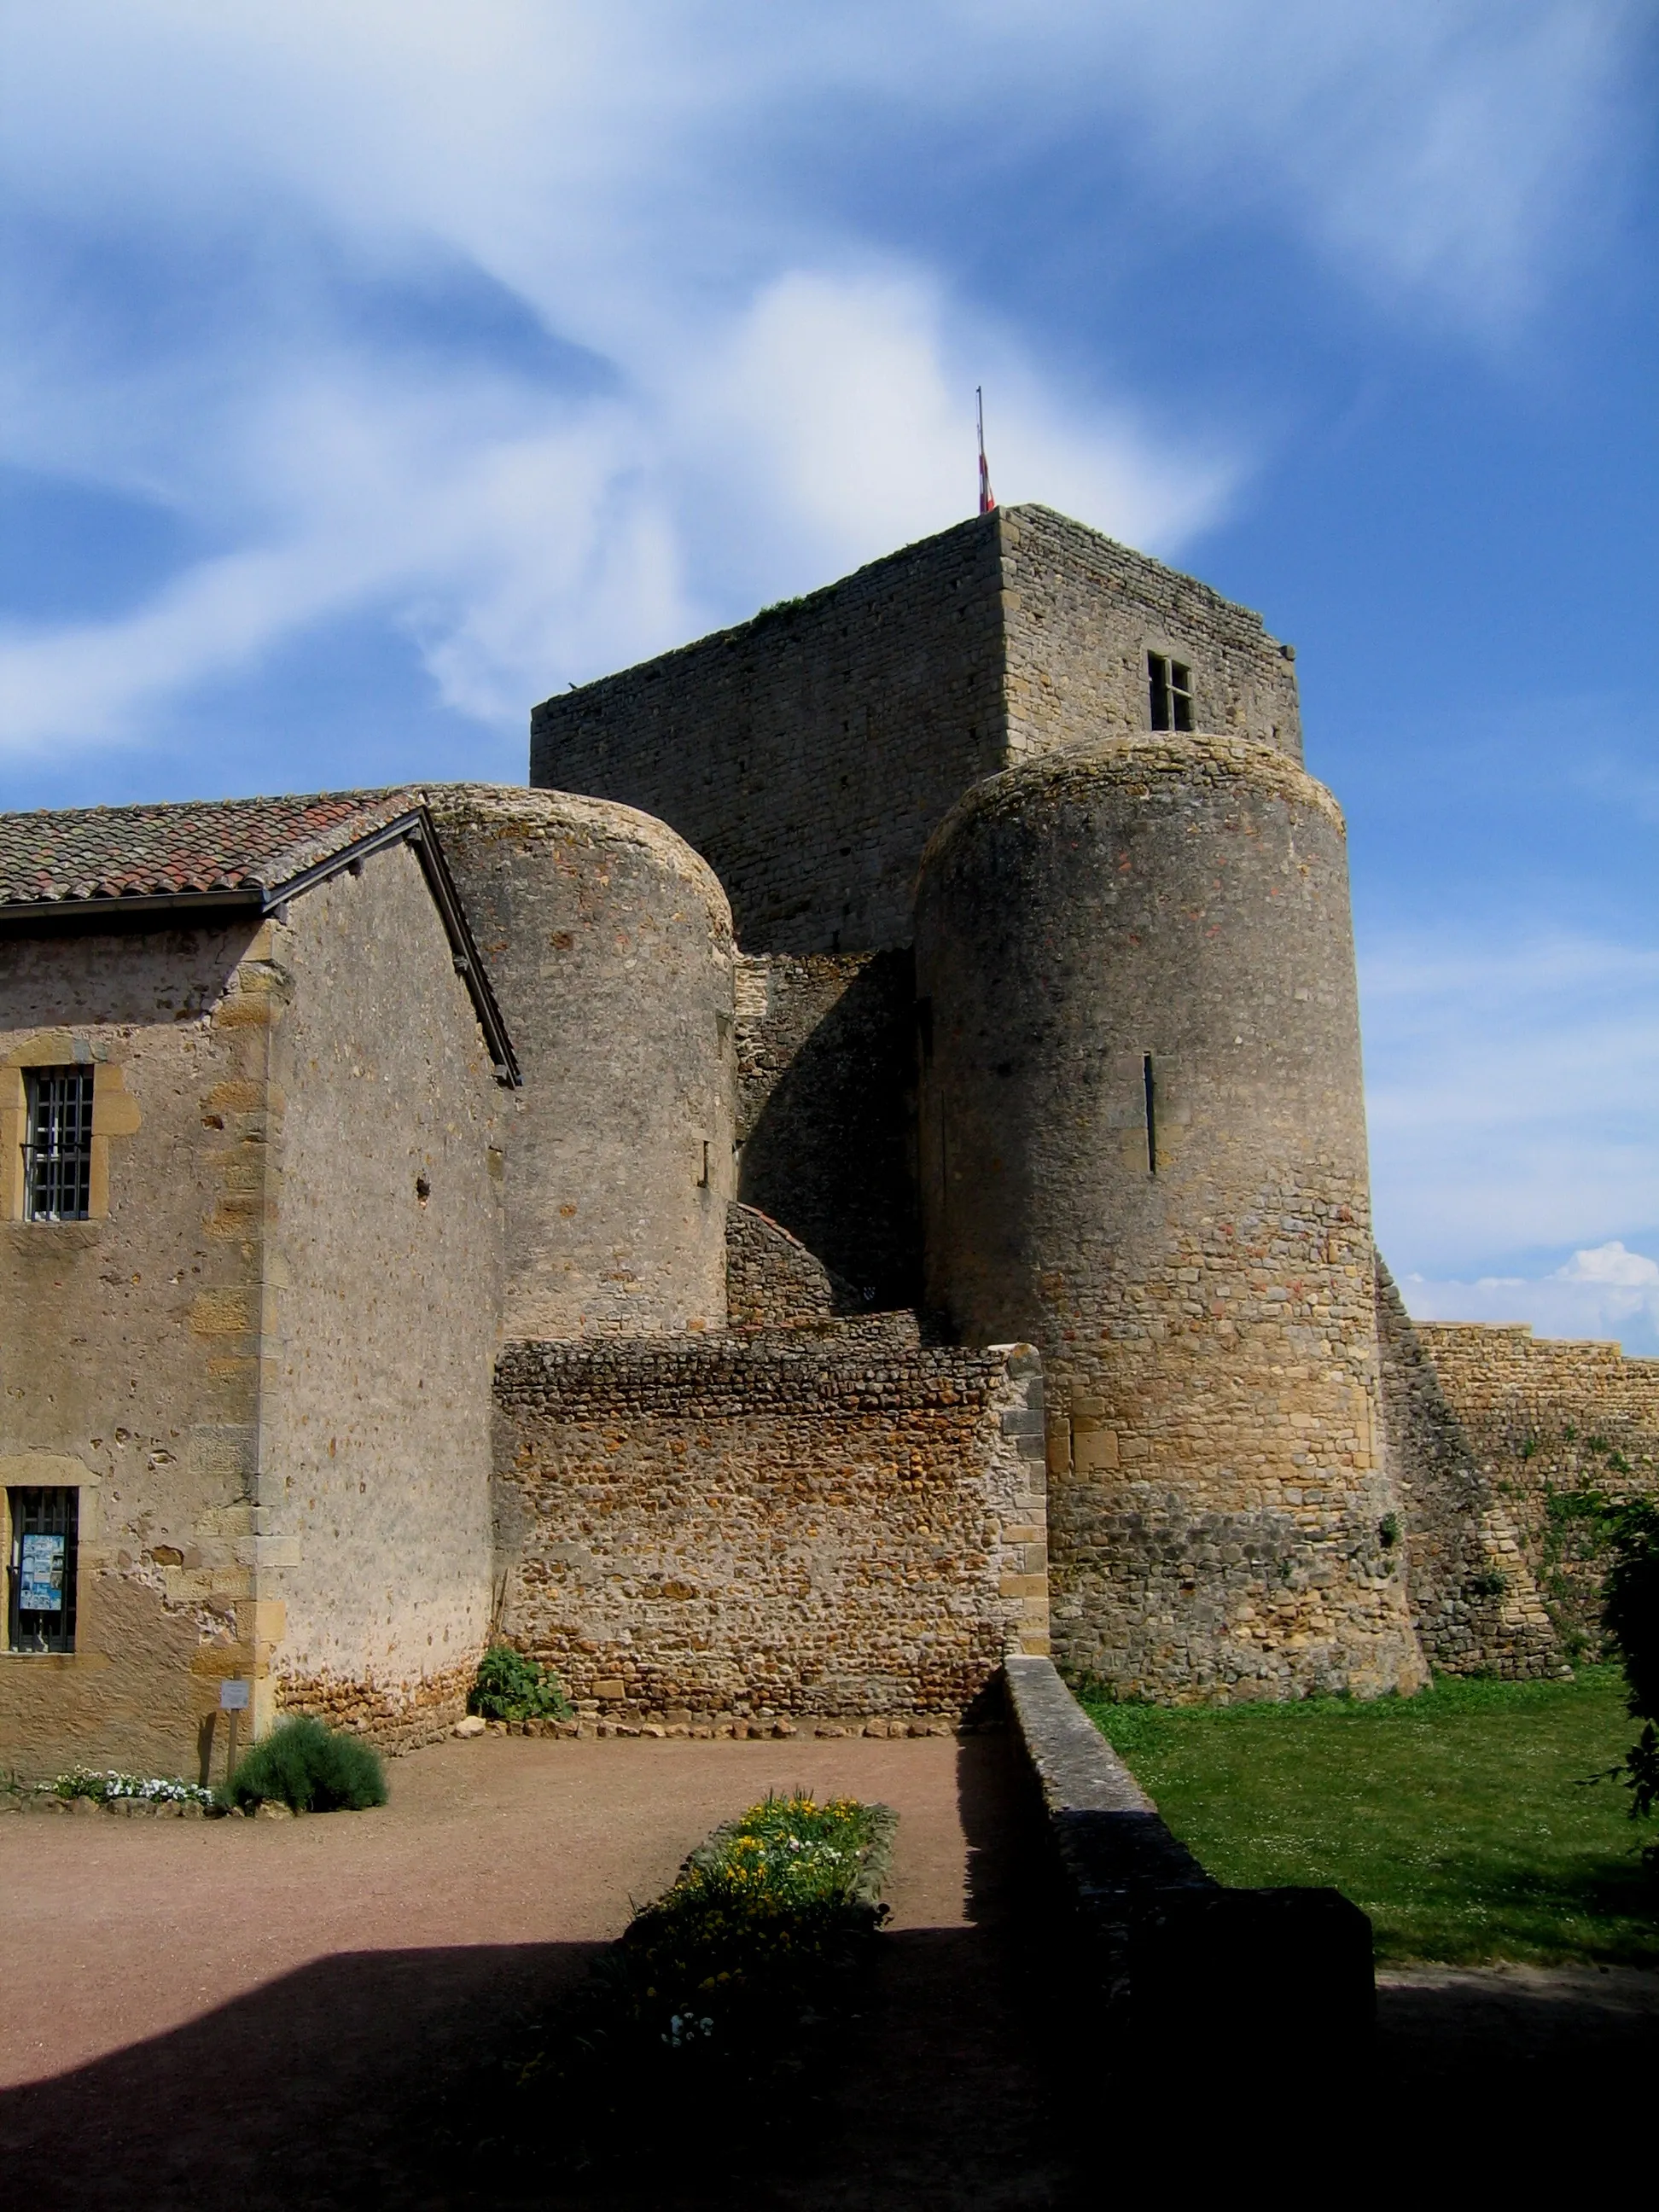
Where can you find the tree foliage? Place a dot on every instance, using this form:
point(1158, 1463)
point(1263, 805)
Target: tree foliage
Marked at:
point(1630, 1613)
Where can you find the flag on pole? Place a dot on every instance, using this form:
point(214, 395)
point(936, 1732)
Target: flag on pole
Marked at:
point(987, 496)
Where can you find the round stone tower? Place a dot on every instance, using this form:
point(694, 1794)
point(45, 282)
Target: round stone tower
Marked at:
point(608, 942)
point(1143, 1148)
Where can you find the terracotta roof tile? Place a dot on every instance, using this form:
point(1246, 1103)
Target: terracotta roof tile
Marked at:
point(230, 845)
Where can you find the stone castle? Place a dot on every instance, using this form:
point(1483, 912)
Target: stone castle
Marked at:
point(859, 1170)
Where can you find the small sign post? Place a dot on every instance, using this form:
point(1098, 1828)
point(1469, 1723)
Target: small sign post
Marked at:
point(233, 1699)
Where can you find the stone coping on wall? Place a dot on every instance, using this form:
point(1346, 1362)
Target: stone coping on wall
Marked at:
point(853, 1363)
point(1108, 1834)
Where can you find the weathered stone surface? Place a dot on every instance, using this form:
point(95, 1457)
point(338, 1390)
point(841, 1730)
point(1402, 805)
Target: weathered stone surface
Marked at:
point(266, 1329)
point(1486, 1424)
point(772, 1280)
point(801, 1523)
point(1199, 1282)
point(610, 945)
point(810, 753)
point(826, 1114)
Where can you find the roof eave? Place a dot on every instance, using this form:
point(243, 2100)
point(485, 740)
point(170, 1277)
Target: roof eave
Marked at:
point(414, 827)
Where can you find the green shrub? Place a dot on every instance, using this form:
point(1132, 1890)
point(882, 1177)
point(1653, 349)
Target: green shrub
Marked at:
point(311, 1769)
point(510, 1687)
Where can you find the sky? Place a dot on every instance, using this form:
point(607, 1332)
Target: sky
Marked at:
point(369, 372)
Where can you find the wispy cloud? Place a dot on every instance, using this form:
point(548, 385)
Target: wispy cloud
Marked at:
point(1510, 1095)
point(749, 381)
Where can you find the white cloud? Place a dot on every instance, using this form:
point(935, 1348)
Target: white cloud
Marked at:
point(1611, 1265)
point(1605, 1292)
point(1510, 1100)
point(784, 388)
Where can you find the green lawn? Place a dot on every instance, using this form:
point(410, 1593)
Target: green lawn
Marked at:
point(1459, 1820)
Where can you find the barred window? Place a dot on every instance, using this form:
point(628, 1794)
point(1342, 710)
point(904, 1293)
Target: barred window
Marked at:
point(1169, 684)
point(58, 1149)
point(45, 1528)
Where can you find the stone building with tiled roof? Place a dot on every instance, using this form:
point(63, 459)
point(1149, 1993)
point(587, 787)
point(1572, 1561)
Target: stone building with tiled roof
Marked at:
point(252, 1079)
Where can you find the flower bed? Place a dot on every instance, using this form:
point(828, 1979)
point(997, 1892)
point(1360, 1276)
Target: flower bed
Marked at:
point(731, 1983)
point(110, 1787)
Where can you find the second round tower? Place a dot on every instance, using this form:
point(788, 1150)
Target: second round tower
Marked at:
point(1142, 1148)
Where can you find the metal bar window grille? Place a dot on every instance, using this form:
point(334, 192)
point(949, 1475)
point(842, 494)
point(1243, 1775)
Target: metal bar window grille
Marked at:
point(45, 1542)
point(58, 1157)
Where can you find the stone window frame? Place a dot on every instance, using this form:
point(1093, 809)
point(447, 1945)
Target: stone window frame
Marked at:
point(114, 1114)
point(57, 1142)
point(71, 1492)
point(38, 1470)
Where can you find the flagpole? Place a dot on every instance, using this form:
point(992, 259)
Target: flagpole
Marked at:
point(987, 497)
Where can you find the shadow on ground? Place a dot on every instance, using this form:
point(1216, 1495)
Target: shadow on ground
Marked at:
point(319, 2090)
point(973, 2079)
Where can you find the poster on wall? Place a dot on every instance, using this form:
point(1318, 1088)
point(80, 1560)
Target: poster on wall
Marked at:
point(41, 1574)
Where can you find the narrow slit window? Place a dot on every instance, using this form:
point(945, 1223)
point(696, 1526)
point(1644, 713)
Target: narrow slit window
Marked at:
point(45, 1543)
point(1168, 692)
point(1151, 1089)
point(57, 1146)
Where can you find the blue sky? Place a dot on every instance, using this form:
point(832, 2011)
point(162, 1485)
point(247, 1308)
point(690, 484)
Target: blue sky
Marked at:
point(369, 372)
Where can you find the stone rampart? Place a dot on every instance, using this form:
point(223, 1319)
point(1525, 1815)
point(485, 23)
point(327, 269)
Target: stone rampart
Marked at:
point(815, 1523)
point(1532, 1419)
point(772, 1280)
point(1474, 1598)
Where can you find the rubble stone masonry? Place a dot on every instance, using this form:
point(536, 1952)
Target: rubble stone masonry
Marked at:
point(819, 1522)
point(1530, 1420)
point(1475, 1597)
point(1143, 1149)
point(826, 1110)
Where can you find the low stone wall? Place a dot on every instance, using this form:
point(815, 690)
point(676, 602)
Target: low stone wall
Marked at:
point(1176, 1968)
point(397, 1717)
point(1108, 1835)
point(816, 1523)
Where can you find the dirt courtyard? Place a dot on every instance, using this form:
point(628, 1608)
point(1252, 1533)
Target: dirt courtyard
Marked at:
point(253, 2015)
point(192, 2008)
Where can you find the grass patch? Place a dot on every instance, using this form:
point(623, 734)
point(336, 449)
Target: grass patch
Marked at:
point(1463, 1820)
